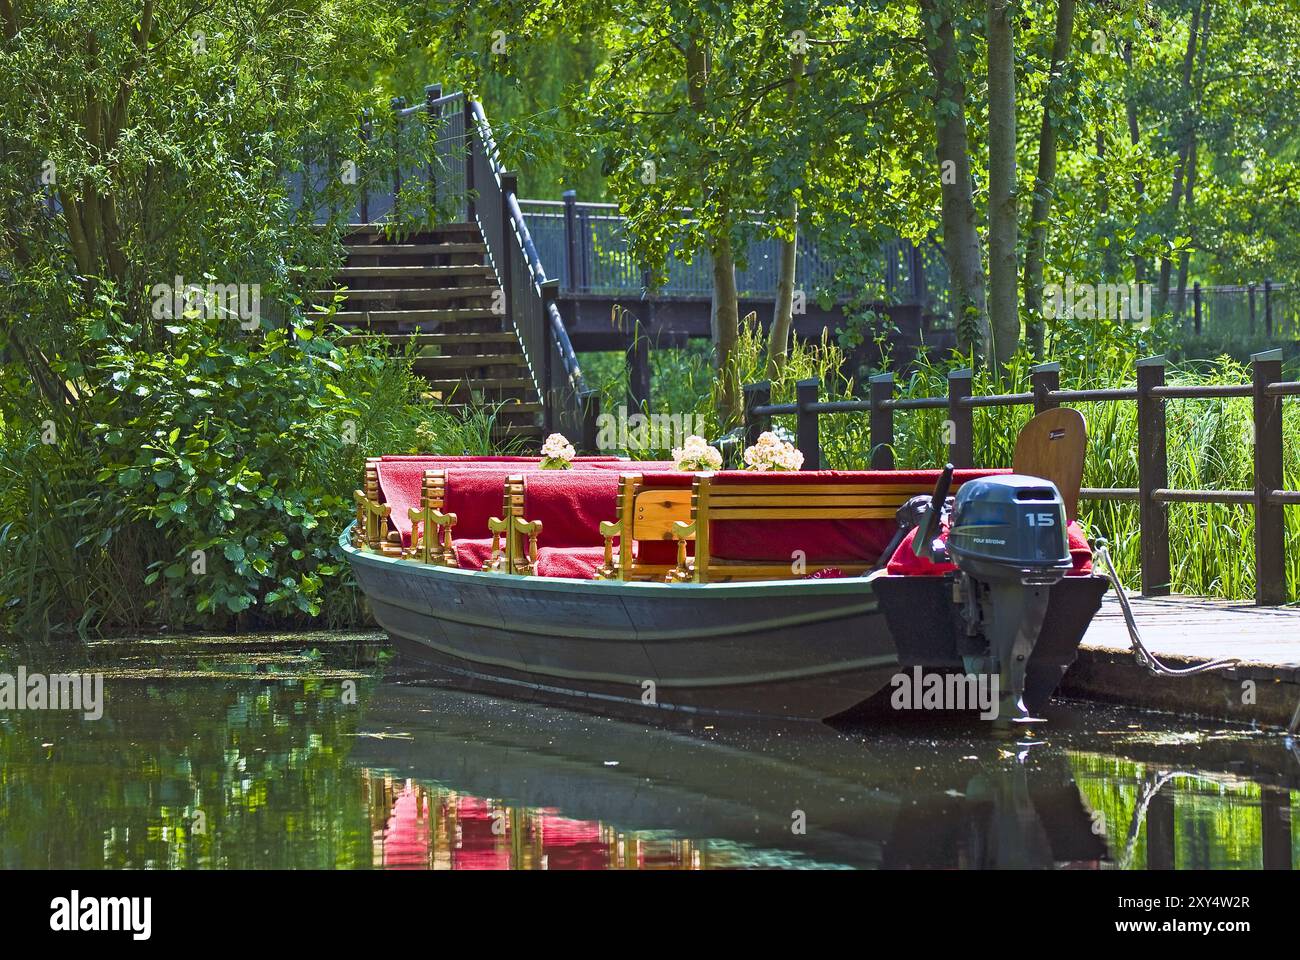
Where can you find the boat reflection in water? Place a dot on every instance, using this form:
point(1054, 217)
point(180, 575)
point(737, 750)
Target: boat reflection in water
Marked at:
point(456, 781)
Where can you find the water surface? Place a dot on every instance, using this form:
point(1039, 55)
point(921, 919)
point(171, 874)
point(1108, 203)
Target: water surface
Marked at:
point(246, 758)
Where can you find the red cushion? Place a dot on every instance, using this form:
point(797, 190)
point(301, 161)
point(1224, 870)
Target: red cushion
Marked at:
point(571, 505)
point(926, 478)
point(471, 554)
point(399, 487)
point(433, 457)
point(474, 496)
point(574, 563)
point(400, 481)
point(635, 466)
point(906, 563)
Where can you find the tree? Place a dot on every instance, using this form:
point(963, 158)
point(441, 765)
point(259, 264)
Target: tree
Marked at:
point(961, 242)
point(1045, 177)
point(1004, 316)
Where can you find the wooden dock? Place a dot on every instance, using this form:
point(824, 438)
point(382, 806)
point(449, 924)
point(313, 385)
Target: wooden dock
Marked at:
point(1263, 688)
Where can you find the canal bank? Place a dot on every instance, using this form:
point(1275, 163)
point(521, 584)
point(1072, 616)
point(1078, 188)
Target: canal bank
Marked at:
point(1262, 688)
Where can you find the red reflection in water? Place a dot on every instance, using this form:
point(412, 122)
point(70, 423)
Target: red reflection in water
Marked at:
point(425, 827)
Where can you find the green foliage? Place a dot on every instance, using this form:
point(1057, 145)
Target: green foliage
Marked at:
point(206, 483)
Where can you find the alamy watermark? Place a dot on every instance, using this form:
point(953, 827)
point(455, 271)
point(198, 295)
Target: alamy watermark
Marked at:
point(212, 300)
point(75, 913)
point(919, 690)
point(55, 691)
point(641, 431)
point(1093, 301)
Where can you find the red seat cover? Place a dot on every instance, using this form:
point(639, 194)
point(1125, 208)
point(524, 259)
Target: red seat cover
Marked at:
point(907, 564)
point(573, 563)
point(571, 505)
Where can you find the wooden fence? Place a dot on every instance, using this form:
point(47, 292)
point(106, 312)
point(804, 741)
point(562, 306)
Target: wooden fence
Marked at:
point(1152, 494)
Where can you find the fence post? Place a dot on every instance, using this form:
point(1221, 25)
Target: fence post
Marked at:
point(432, 94)
point(882, 421)
point(756, 395)
point(1270, 528)
point(1044, 378)
point(1251, 290)
point(365, 186)
point(960, 424)
point(471, 203)
point(397, 103)
point(1153, 474)
point(1196, 307)
point(509, 185)
point(1268, 309)
point(547, 372)
point(589, 402)
point(806, 432)
point(570, 240)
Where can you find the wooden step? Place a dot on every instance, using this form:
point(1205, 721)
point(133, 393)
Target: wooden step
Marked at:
point(509, 431)
point(405, 293)
point(505, 408)
point(448, 363)
point(416, 273)
point(428, 339)
point(412, 249)
point(413, 317)
point(463, 388)
point(443, 229)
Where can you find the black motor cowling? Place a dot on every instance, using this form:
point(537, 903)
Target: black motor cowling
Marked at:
point(1009, 527)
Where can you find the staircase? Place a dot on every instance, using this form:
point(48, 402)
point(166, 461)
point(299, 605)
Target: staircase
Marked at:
point(437, 290)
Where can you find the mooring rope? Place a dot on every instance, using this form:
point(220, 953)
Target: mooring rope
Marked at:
point(1140, 652)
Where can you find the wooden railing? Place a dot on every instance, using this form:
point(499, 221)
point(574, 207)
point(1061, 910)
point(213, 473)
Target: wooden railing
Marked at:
point(1152, 494)
point(529, 296)
point(587, 244)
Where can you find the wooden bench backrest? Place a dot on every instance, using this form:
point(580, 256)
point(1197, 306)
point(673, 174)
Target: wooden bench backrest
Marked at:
point(719, 500)
point(830, 501)
point(1052, 445)
point(655, 511)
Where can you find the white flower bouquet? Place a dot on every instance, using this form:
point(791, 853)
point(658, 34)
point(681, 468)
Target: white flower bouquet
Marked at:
point(772, 453)
point(696, 454)
point(557, 453)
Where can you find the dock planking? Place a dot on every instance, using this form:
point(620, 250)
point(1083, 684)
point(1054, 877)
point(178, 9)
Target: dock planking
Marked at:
point(1263, 688)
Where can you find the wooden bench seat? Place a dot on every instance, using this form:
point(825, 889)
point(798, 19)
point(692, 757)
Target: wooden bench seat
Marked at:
point(761, 526)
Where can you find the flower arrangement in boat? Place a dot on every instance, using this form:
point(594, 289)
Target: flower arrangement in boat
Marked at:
point(696, 454)
point(557, 453)
point(772, 453)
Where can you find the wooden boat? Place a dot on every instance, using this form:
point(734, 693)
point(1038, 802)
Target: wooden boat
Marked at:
point(730, 632)
point(798, 648)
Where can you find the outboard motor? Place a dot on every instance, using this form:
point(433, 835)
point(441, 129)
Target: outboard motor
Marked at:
point(1007, 537)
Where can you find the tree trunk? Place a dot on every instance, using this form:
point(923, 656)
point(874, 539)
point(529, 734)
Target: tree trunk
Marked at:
point(782, 311)
point(724, 320)
point(1045, 179)
point(724, 317)
point(1176, 191)
point(961, 242)
point(1135, 137)
point(1004, 313)
point(1184, 259)
point(1193, 146)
